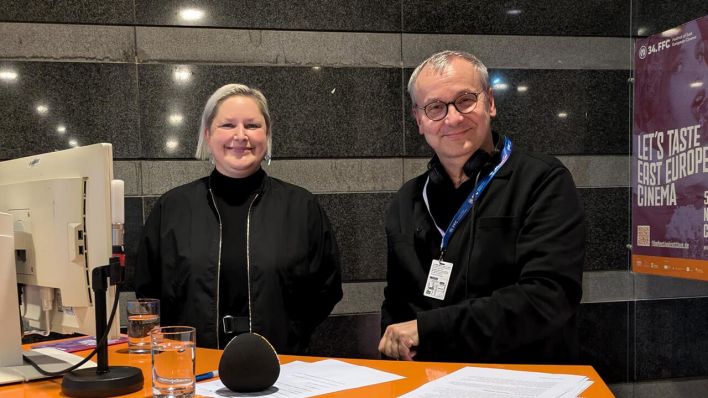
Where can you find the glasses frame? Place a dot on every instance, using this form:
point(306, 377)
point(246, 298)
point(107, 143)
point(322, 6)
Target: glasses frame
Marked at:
point(453, 103)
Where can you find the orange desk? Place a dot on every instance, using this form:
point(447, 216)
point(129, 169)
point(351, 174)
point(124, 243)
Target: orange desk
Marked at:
point(415, 373)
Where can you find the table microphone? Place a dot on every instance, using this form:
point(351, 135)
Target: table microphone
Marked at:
point(249, 364)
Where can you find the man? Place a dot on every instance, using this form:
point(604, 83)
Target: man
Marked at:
point(485, 249)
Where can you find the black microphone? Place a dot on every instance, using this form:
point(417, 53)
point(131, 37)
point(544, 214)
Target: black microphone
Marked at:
point(249, 364)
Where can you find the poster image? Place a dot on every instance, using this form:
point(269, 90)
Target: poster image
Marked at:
point(670, 153)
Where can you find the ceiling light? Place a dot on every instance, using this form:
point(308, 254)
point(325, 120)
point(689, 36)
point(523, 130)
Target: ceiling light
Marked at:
point(176, 119)
point(42, 109)
point(8, 75)
point(171, 144)
point(191, 14)
point(671, 32)
point(182, 74)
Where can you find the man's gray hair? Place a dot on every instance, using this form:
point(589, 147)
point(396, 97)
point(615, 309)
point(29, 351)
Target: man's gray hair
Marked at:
point(212, 106)
point(440, 61)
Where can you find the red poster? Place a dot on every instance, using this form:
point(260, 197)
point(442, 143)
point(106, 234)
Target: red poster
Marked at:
point(670, 153)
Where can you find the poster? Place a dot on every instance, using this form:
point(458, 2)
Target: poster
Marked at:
point(670, 153)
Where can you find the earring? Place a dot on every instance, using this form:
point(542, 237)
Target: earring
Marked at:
point(267, 159)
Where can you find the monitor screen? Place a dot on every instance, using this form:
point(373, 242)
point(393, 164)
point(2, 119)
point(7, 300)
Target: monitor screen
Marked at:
point(60, 203)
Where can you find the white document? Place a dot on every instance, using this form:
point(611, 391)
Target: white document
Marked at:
point(472, 382)
point(307, 379)
point(575, 393)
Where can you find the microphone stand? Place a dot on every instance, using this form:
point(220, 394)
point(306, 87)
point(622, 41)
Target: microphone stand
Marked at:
point(104, 381)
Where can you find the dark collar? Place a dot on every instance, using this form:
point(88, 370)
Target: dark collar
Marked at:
point(229, 187)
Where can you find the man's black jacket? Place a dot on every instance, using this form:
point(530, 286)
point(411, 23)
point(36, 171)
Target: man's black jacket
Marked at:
point(517, 276)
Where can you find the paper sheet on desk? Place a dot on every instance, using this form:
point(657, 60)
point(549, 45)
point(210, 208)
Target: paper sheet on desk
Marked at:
point(307, 379)
point(471, 382)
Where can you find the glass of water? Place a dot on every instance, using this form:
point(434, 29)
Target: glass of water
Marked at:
point(173, 360)
point(143, 317)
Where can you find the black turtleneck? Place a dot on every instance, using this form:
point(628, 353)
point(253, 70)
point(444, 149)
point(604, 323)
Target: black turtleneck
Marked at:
point(233, 198)
point(445, 199)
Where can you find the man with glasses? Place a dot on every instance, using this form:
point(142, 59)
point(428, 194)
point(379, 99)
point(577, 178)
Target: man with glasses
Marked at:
point(486, 248)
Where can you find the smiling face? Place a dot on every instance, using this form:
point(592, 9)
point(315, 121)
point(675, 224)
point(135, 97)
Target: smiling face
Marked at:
point(456, 137)
point(238, 137)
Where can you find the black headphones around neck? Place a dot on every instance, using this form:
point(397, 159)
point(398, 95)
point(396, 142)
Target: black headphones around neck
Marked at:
point(479, 160)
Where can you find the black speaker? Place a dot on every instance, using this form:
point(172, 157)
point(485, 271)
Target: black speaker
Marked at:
point(479, 160)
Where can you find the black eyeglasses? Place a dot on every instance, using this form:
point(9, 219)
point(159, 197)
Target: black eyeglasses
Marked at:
point(464, 103)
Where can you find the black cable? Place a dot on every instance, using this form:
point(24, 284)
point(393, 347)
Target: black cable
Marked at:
point(93, 353)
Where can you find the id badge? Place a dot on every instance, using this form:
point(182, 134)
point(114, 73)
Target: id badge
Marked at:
point(438, 279)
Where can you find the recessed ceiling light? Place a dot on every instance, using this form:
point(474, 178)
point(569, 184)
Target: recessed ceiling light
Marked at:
point(8, 75)
point(191, 14)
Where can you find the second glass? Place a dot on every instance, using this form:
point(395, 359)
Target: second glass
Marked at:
point(143, 317)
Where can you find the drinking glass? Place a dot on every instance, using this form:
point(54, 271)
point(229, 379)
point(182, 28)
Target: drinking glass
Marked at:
point(143, 317)
point(173, 359)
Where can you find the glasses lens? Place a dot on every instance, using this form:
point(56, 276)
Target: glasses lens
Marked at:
point(466, 102)
point(436, 110)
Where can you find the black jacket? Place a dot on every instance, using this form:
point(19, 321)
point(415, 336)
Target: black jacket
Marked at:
point(293, 263)
point(518, 265)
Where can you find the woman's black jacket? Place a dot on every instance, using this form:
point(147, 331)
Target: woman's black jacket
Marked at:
point(292, 259)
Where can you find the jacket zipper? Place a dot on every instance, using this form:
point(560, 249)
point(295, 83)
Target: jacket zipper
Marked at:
point(218, 266)
point(248, 261)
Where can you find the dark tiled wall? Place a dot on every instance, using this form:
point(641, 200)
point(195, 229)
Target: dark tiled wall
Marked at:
point(349, 15)
point(651, 17)
point(605, 18)
point(569, 112)
point(607, 225)
point(69, 11)
point(316, 112)
point(671, 338)
point(607, 348)
point(569, 17)
point(358, 222)
point(93, 102)
point(357, 336)
point(335, 75)
point(319, 112)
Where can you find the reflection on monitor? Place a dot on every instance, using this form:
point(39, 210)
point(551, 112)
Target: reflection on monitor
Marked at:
point(60, 204)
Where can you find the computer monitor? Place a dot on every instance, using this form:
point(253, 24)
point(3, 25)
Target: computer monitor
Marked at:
point(10, 339)
point(60, 203)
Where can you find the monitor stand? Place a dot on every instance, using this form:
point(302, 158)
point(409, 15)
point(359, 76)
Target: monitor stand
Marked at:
point(12, 367)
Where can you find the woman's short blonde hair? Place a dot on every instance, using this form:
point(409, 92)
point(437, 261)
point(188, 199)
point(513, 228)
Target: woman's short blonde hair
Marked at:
point(212, 106)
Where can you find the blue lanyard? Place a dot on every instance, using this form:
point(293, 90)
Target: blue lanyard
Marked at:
point(469, 202)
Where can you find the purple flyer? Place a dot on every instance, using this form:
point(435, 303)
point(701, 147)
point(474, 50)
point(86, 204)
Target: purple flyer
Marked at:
point(669, 153)
point(78, 344)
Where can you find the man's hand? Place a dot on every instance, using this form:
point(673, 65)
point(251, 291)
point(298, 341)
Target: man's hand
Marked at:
point(399, 340)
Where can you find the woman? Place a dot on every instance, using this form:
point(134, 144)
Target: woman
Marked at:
point(240, 251)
